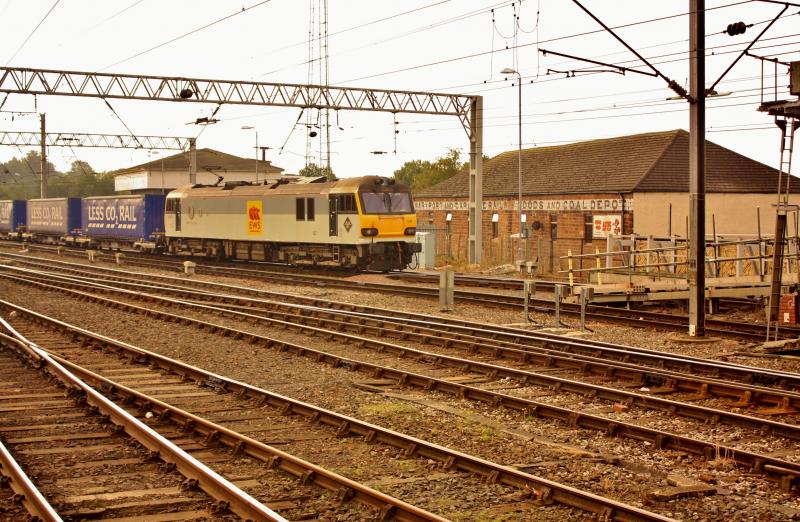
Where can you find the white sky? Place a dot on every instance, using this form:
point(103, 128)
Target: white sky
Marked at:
point(269, 43)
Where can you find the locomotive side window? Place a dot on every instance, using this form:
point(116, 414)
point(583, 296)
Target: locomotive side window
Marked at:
point(310, 209)
point(346, 203)
point(300, 209)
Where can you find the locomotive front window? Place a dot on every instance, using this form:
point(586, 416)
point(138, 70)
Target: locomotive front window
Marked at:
point(386, 203)
point(400, 202)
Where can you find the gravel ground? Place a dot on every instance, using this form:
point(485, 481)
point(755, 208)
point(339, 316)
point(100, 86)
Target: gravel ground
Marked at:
point(649, 418)
point(638, 472)
point(664, 341)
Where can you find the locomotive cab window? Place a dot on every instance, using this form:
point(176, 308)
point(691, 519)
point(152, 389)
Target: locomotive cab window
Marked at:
point(346, 203)
point(386, 203)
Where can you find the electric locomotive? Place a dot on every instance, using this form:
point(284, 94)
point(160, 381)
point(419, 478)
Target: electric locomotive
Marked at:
point(365, 223)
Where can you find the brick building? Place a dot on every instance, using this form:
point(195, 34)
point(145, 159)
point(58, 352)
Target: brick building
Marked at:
point(575, 195)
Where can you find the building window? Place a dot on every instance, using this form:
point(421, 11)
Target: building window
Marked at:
point(495, 225)
point(300, 209)
point(588, 227)
point(553, 225)
point(310, 209)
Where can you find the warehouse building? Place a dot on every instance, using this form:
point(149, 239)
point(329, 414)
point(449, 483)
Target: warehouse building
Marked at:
point(576, 195)
point(171, 172)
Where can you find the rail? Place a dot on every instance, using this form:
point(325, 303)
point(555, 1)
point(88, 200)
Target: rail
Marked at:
point(545, 490)
point(208, 480)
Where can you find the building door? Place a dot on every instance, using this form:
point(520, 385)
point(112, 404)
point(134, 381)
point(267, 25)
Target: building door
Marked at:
point(333, 215)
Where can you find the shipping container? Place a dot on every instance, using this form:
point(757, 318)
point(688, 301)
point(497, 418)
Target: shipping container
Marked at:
point(54, 217)
point(124, 218)
point(12, 215)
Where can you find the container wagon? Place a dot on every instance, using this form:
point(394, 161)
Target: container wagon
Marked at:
point(53, 220)
point(123, 222)
point(13, 218)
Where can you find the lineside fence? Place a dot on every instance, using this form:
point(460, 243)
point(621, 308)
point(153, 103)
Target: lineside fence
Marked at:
point(745, 258)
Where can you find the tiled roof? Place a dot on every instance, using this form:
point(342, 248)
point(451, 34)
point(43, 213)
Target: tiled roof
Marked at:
point(207, 159)
point(653, 162)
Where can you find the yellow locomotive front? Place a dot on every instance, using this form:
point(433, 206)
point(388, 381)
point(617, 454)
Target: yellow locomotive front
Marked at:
point(388, 221)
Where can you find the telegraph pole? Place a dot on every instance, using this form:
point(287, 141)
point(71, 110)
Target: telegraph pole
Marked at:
point(697, 157)
point(43, 178)
point(192, 160)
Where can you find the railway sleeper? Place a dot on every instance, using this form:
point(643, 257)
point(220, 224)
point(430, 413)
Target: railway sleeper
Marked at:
point(631, 399)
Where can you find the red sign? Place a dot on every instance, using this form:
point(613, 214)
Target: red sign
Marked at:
point(606, 225)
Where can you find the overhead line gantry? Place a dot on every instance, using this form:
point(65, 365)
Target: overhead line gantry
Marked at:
point(80, 139)
point(468, 109)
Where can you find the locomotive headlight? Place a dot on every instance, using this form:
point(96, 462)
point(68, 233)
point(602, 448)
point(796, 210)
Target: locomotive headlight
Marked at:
point(410, 231)
point(369, 232)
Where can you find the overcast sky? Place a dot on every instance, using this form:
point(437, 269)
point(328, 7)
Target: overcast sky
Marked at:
point(454, 46)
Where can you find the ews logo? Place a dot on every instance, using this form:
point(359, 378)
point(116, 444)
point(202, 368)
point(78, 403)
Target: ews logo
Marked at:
point(254, 218)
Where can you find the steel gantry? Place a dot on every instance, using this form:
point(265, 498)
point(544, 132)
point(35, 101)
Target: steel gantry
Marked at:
point(80, 139)
point(468, 109)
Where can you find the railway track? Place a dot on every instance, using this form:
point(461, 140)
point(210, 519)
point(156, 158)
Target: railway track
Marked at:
point(779, 393)
point(637, 318)
point(91, 458)
point(780, 470)
point(230, 399)
point(500, 342)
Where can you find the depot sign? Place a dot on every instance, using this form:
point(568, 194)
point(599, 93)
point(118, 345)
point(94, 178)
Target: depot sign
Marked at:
point(546, 205)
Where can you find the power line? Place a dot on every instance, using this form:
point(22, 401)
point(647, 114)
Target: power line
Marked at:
point(410, 32)
point(32, 32)
point(559, 78)
point(111, 17)
point(184, 35)
point(550, 40)
point(123, 122)
point(353, 28)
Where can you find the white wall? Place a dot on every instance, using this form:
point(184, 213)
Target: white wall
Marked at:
point(173, 179)
point(735, 214)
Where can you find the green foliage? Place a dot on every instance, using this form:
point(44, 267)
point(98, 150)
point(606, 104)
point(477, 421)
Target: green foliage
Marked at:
point(19, 179)
point(314, 170)
point(420, 174)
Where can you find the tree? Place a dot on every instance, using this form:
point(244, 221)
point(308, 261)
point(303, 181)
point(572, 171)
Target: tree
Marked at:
point(314, 170)
point(19, 179)
point(419, 174)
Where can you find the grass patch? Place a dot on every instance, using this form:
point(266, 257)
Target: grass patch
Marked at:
point(385, 409)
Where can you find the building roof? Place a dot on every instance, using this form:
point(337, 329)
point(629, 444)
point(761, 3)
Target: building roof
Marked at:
point(652, 162)
point(207, 160)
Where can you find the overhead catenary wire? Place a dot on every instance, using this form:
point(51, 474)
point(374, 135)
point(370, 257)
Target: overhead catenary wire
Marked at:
point(114, 15)
point(441, 23)
point(188, 33)
point(123, 123)
point(30, 35)
point(549, 40)
point(355, 27)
